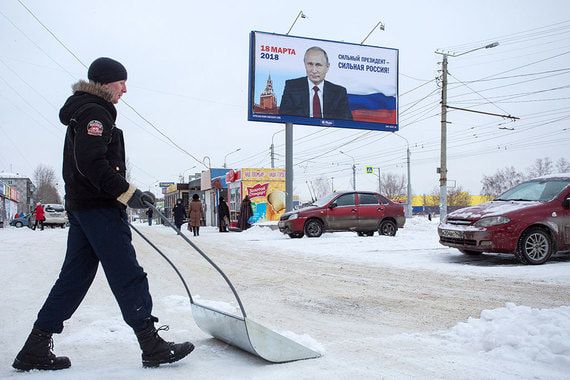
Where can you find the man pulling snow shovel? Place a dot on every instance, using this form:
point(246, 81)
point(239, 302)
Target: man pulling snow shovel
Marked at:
point(96, 196)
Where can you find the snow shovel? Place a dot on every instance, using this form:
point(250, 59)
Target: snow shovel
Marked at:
point(239, 331)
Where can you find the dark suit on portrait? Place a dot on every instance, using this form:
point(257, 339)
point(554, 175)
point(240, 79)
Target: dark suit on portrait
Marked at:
point(295, 100)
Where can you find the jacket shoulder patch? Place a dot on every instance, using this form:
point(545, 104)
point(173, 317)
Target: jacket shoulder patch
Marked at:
point(95, 128)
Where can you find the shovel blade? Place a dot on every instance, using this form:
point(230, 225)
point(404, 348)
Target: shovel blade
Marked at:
point(250, 336)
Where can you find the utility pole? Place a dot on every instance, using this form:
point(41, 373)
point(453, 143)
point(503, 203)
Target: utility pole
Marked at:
point(288, 167)
point(409, 175)
point(379, 182)
point(332, 184)
point(443, 152)
point(272, 148)
point(410, 207)
point(353, 170)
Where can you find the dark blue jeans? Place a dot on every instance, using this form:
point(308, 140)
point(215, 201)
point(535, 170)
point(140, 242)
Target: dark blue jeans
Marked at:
point(98, 235)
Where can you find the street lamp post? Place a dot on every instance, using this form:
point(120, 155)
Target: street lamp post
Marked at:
point(237, 150)
point(300, 14)
point(409, 189)
point(209, 162)
point(353, 169)
point(443, 153)
point(184, 171)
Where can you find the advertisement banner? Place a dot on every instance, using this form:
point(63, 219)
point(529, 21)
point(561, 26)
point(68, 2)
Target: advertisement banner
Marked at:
point(266, 189)
point(325, 83)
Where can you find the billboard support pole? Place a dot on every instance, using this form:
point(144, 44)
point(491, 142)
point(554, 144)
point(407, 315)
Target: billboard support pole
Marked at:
point(288, 167)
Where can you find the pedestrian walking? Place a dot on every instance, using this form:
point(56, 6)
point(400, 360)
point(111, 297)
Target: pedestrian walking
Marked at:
point(179, 212)
point(149, 213)
point(196, 212)
point(96, 197)
point(245, 212)
point(223, 215)
point(40, 216)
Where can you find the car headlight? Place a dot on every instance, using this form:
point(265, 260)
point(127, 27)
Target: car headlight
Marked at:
point(491, 221)
point(293, 216)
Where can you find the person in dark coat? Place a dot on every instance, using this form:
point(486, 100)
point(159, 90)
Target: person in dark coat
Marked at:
point(245, 212)
point(96, 197)
point(179, 213)
point(196, 212)
point(312, 95)
point(223, 215)
point(149, 216)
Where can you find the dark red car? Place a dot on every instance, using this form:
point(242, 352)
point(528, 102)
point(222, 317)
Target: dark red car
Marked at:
point(531, 220)
point(361, 211)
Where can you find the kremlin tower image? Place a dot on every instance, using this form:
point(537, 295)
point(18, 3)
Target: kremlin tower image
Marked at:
point(267, 101)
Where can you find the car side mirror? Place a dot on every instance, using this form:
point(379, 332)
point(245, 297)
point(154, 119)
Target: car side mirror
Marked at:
point(332, 205)
point(566, 203)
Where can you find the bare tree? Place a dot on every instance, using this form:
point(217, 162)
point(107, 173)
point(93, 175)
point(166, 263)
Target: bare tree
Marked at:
point(562, 165)
point(541, 166)
point(321, 187)
point(434, 197)
point(393, 185)
point(458, 197)
point(502, 180)
point(431, 199)
point(46, 184)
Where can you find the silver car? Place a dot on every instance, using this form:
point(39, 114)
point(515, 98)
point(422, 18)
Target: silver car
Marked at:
point(55, 215)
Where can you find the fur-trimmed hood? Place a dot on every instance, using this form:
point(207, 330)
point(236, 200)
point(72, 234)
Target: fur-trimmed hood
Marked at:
point(83, 93)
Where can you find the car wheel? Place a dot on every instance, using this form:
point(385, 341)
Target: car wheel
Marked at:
point(19, 224)
point(470, 252)
point(360, 233)
point(63, 225)
point(535, 247)
point(388, 228)
point(313, 228)
point(296, 235)
point(369, 233)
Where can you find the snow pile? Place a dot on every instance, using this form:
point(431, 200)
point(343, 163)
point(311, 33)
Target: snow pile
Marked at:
point(305, 340)
point(519, 333)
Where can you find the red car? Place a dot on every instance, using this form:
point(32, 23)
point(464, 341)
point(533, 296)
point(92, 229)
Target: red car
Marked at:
point(531, 220)
point(362, 212)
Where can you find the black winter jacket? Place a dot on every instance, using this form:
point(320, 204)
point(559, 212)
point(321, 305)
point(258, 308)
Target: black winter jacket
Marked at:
point(179, 213)
point(94, 153)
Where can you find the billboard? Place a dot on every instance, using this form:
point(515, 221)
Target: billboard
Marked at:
point(266, 189)
point(325, 83)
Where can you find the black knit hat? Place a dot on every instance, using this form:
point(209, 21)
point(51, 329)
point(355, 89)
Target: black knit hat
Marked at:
point(106, 70)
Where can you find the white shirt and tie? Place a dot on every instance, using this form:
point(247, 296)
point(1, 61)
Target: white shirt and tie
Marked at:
point(315, 99)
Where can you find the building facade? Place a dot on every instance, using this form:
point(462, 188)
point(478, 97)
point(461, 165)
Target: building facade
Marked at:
point(25, 187)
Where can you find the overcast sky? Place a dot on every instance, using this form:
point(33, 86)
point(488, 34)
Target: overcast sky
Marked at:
point(188, 75)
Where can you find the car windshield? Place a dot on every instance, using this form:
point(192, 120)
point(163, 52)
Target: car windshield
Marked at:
point(538, 190)
point(54, 208)
point(324, 200)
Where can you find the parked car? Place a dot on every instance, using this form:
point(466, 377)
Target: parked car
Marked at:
point(21, 221)
point(362, 212)
point(55, 215)
point(531, 221)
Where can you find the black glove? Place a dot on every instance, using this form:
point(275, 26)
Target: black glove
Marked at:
point(139, 199)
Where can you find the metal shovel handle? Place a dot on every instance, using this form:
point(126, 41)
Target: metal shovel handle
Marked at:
point(213, 264)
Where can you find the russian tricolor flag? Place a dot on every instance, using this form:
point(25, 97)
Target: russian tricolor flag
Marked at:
point(373, 108)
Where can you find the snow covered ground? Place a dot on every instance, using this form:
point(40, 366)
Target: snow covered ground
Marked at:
point(375, 307)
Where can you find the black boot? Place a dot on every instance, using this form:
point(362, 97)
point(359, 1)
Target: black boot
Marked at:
point(36, 354)
point(156, 351)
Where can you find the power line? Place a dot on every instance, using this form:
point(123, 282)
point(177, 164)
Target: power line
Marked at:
point(128, 105)
point(466, 85)
point(508, 36)
point(36, 45)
